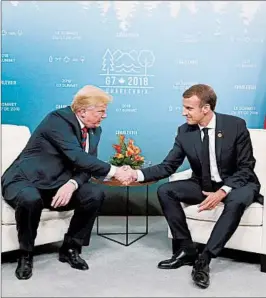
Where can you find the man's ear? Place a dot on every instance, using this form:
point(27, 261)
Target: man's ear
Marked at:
point(206, 108)
point(81, 113)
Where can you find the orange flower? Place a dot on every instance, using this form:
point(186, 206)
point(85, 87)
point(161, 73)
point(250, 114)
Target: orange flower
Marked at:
point(121, 139)
point(138, 158)
point(119, 155)
point(130, 143)
point(136, 150)
point(117, 148)
point(129, 152)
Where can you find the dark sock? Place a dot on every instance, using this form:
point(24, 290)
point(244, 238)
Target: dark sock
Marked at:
point(187, 245)
point(69, 243)
point(26, 253)
point(207, 256)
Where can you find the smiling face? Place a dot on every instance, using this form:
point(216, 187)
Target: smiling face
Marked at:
point(199, 102)
point(193, 110)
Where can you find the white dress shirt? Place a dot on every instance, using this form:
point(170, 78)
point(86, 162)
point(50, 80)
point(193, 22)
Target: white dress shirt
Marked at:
point(215, 176)
point(112, 171)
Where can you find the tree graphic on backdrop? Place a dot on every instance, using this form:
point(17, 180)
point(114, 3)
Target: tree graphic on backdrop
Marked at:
point(108, 62)
point(146, 59)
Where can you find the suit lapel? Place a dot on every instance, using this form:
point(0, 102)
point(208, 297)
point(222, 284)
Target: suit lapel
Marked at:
point(196, 136)
point(94, 136)
point(219, 135)
point(69, 116)
point(77, 129)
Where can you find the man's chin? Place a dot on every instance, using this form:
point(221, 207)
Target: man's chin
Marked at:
point(191, 122)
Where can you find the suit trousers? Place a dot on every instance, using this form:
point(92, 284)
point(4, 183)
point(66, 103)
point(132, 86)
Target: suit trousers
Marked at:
point(189, 191)
point(29, 202)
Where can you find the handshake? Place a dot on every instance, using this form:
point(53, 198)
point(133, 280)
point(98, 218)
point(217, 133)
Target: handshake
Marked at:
point(126, 175)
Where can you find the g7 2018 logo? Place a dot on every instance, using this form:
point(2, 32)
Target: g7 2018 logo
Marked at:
point(127, 72)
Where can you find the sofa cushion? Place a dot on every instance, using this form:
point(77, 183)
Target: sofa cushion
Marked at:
point(14, 139)
point(253, 215)
point(8, 214)
point(258, 138)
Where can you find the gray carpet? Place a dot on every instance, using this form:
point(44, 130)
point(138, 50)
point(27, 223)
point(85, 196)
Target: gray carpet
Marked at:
point(119, 271)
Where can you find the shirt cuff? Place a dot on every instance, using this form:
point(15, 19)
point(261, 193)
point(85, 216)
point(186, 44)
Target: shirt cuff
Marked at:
point(111, 173)
point(140, 176)
point(227, 189)
point(74, 182)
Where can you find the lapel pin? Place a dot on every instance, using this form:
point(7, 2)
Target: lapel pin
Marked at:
point(219, 135)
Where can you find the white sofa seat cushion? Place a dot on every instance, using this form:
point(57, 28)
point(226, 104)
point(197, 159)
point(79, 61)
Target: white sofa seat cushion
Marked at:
point(253, 215)
point(8, 214)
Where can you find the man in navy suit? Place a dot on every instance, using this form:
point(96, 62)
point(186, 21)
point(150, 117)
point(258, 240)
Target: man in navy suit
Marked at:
point(53, 171)
point(219, 150)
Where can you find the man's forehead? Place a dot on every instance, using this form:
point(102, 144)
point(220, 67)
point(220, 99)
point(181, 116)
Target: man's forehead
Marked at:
point(99, 106)
point(191, 101)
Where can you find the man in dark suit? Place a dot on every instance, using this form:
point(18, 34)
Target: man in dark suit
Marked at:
point(53, 171)
point(219, 150)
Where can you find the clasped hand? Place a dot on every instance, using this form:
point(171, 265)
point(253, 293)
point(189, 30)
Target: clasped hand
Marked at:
point(126, 175)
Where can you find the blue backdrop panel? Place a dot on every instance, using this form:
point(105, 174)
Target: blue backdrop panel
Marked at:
point(144, 53)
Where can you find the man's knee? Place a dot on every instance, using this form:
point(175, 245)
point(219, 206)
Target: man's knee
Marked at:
point(163, 191)
point(29, 197)
point(240, 198)
point(90, 193)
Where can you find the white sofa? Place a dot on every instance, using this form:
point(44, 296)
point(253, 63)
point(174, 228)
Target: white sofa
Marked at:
point(53, 224)
point(251, 233)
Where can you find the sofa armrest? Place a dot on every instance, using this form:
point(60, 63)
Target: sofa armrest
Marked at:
point(184, 175)
point(263, 192)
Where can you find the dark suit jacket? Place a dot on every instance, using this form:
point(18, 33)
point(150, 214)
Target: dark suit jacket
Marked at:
point(234, 153)
point(54, 154)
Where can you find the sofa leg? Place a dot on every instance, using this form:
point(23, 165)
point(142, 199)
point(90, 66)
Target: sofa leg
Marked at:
point(263, 263)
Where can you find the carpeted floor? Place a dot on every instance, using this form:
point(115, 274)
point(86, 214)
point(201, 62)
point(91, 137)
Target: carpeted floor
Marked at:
point(119, 271)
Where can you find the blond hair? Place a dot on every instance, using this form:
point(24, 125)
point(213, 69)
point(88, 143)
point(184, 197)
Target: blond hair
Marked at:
point(89, 96)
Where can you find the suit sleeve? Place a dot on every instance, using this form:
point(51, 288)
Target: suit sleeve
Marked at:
point(81, 177)
point(169, 165)
point(245, 159)
point(61, 136)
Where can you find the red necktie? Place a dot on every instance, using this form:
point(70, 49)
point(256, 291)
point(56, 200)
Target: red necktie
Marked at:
point(84, 131)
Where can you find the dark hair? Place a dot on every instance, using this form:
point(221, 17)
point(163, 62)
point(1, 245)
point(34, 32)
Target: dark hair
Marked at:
point(204, 92)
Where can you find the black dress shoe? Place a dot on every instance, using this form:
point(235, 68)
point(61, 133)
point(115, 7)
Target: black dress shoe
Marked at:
point(72, 257)
point(24, 268)
point(179, 259)
point(201, 273)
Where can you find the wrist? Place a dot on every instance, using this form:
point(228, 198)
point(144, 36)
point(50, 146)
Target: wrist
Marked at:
point(73, 183)
point(223, 192)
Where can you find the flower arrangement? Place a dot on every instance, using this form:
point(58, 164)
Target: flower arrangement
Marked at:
point(127, 154)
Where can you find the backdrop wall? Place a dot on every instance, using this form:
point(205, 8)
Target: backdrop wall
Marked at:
point(144, 53)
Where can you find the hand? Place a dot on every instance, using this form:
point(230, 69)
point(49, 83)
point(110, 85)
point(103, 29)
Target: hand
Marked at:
point(63, 195)
point(212, 200)
point(126, 175)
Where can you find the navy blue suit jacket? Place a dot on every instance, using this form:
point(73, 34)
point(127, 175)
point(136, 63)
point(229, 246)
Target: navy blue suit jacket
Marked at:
point(234, 154)
point(54, 154)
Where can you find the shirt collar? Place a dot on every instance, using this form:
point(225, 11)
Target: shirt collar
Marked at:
point(212, 123)
point(80, 123)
